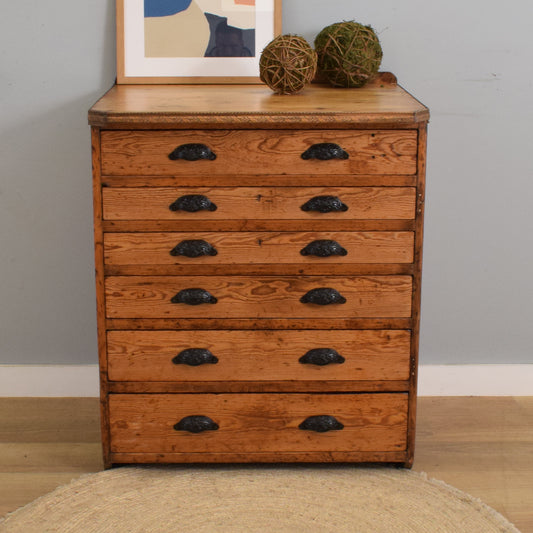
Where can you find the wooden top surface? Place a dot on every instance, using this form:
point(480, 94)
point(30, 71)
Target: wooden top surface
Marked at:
point(169, 106)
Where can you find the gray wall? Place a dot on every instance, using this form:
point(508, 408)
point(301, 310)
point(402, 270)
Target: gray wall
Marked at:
point(470, 62)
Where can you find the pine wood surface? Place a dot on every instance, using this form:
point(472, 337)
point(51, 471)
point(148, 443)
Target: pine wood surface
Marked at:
point(258, 323)
point(281, 203)
point(262, 457)
point(258, 247)
point(258, 355)
point(259, 297)
point(312, 385)
point(239, 224)
point(100, 286)
point(483, 446)
point(321, 268)
point(417, 287)
point(251, 180)
point(252, 106)
point(276, 151)
point(381, 129)
point(257, 423)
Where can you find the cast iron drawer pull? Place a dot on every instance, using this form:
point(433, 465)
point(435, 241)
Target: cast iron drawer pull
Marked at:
point(193, 203)
point(193, 297)
point(196, 424)
point(323, 296)
point(323, 248)
point(192, 152)
point(322, 357)
point(193, 248)
point(195, 357)
point(321, 424)
point(324, 204)
point(325, 152)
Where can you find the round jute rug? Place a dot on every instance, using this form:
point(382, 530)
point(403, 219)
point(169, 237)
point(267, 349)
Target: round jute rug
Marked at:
point(234, 499)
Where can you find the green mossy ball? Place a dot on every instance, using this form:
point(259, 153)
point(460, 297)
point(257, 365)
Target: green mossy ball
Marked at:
point(287, 64)
point(349, 54)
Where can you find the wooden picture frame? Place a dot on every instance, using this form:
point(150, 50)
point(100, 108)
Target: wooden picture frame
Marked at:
point(157, 49)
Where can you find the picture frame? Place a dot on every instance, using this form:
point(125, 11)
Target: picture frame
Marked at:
point(193, 41)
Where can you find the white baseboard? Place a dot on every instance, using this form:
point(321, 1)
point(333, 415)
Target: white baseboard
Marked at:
point(49, 380)
point(434, 380)
point(475, 380)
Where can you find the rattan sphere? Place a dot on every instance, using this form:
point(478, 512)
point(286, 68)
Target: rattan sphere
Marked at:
point(287, 64)
point(349, 54)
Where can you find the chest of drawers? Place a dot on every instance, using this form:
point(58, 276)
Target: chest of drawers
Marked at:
point(258, 263)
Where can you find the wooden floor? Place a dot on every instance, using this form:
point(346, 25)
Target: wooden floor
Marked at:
point(483, 446)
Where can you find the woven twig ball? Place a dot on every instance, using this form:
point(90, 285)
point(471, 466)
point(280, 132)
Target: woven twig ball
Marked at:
point(349, 54)
point(287, 64)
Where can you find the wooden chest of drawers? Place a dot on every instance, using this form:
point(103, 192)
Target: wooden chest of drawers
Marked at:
point(258, 263)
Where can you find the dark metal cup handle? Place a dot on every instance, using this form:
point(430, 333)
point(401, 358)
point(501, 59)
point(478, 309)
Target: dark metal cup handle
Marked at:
point(193, 203)
point(324, 204)
point(193, 297)
point(321, 424)
point(322, 357)
point(192, 152)
point(323, 296)
point(325, 152)
point(193, 248)
point(196, 424)
point(324, 248)
point(195, 357)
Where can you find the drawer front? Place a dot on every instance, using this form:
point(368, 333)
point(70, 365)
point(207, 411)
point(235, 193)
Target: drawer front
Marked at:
point(159, 423)
point(258, 297)
point(338, 355)
point(228, 248)
point(259, 203)
point(146, 153)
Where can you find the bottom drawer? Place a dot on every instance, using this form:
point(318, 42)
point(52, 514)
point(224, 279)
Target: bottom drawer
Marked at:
point(230, 423)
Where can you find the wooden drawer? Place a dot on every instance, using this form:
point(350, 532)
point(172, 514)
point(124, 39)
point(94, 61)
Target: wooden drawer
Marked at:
point(257, 422)
point(238, 152)
point(256, 297)
point(259, 203)
point(258, 355)
point(228, 248)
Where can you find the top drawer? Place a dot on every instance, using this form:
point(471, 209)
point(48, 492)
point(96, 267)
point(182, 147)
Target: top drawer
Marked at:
point(258, 152)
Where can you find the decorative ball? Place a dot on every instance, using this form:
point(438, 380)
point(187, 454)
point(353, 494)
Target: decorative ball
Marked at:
point(287, 64)
point(349, 54)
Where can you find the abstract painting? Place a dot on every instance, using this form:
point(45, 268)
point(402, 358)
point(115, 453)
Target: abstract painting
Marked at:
point(199, 28)
point(172, 41)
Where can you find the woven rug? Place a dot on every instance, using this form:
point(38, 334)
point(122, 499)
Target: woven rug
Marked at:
point(234, 499)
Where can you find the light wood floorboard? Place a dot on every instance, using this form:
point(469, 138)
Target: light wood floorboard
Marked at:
point(483, 446)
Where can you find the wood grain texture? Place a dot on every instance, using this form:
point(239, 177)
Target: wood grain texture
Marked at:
point(261, 297)
point(257, 323)
point(417, 288)
point(255, 203)
point(257, 248)
point(259, 181)
point(261, 457)
point(257, 422)
point(258, 355)
point(241, 106)
point(251, 180)
point(237, 152)
point(321, 386)
point(325, 268)
point(483, 446)
point(239, 224)
point(100, 290)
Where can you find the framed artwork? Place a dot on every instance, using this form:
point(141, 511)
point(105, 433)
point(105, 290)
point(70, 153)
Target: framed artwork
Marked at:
point(193, 41)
